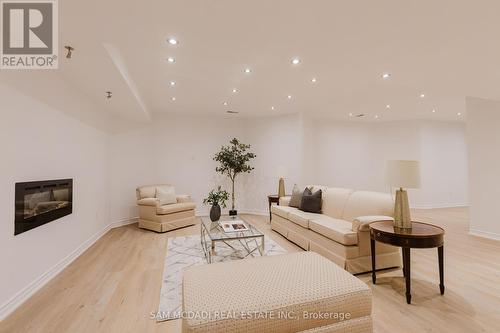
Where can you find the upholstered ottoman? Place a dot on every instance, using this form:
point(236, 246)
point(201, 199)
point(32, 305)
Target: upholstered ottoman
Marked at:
point(300, 292)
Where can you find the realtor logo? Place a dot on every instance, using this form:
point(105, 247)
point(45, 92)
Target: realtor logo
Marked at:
point(29, 34)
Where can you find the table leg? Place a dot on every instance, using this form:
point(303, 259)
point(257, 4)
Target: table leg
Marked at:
point(372, 244)
point(406, 256)
point(403, 262)
point(270, 215)
point(441, 269)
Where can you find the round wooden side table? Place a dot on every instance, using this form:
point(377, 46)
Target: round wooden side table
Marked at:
point(420, 236)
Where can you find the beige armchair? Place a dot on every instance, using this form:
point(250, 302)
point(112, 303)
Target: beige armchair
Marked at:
point(162, 218)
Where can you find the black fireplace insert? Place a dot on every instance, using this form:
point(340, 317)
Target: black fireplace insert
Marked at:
point(41, 202)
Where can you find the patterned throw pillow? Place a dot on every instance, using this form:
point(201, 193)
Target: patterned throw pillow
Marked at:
point(311, 202)
point(166, 195)
point(296, 197)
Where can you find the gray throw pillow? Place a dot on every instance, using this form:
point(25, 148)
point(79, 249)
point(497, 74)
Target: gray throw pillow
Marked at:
point(311, 202)
point(296, 197)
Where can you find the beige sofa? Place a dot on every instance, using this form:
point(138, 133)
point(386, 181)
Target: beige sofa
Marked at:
point(341, 233)
point(161, 218)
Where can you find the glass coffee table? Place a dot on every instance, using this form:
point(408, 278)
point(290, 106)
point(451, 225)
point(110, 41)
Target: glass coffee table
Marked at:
point(250, 241)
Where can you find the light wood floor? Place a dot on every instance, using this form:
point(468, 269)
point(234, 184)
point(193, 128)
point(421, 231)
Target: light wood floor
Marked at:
point(115, 285)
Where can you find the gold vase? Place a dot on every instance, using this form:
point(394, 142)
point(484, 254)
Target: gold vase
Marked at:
point(281, 188)
point(402, 217)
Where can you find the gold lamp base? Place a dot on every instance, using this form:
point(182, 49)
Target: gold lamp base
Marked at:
point(402, 218)
point(281, 188)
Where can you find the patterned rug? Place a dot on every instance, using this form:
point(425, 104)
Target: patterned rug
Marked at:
point(184, 252)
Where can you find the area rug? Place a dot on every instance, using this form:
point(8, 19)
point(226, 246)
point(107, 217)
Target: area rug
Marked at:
point(185, 252)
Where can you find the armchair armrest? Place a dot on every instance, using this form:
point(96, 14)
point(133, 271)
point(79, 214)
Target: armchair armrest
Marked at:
point(285, 201)
point(362, 223)
point(183, 198)
point(148, 202)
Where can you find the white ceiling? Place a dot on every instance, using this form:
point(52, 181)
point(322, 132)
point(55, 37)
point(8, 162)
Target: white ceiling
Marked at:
point(445, 49)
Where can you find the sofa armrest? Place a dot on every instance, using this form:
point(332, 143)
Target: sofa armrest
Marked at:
point(154, 202)
point(362, 223)
point(183, 198)
point(285, 201)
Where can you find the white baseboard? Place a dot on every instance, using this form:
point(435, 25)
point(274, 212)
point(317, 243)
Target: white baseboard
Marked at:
point(442, 205)
point(484, 234)
point(20, 297)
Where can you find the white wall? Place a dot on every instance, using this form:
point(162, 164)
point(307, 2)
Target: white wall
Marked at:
point(38, 142)
point(178, 149)
point(483, 137)
point(354, 155)
point(174, 149)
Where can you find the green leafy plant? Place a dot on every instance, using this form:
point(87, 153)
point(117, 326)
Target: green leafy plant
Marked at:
point(218, 197)
point(233, 160)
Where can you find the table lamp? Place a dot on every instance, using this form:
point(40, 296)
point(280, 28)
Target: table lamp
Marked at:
point(403, 174)
point(281, 185)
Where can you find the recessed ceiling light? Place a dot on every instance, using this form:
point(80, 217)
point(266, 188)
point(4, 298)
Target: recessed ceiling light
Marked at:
point(172, 83)
point(350, 114)
point(173, 41)
point(248, 70)
point(313, 80)
point(422, 95)
point(272, 107)
point(376, 116)
point(459, 114)
point(225, 103)
point(289, 96)
point(388, 106)
point(386, 75)
point(295, 61)
point(433, 110)
point(235, 90)
point(171, 60)
point(173, 99)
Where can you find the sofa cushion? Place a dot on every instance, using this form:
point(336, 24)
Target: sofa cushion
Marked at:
point(311, 202)
point(148, 191)
point(282, 210)
point(302, 218)
point(366, 203)
point(335, 229)
point(174, 208)
point(334, 201)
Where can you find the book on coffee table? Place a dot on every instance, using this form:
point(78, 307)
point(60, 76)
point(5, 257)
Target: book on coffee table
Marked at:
point(233, 226)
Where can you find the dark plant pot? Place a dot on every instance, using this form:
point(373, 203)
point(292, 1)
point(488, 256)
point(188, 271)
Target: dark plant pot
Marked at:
point(215, 213)
point(233, 212)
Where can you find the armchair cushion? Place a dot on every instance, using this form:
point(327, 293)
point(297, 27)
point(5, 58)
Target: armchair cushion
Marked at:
point(174, 208)
point(362, 223)
point(166, 195)
point(148, 202)
point(183, 198)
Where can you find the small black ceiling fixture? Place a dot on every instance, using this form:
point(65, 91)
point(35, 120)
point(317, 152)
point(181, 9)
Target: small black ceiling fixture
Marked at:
point(232, 112)
point(109, 94)
point(69, 50)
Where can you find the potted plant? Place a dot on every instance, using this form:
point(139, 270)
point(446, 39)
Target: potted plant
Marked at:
point(216, 199)
point(233, 160)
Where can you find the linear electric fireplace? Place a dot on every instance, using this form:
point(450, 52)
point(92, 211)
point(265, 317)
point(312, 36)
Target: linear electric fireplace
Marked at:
point(41, 202)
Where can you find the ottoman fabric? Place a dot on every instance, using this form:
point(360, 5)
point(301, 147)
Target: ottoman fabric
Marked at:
point(274, 294)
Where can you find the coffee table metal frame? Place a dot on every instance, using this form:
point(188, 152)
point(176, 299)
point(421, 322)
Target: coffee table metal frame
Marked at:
point(212, 232)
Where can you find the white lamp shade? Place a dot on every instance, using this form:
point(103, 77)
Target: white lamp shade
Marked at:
point(405, 174)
